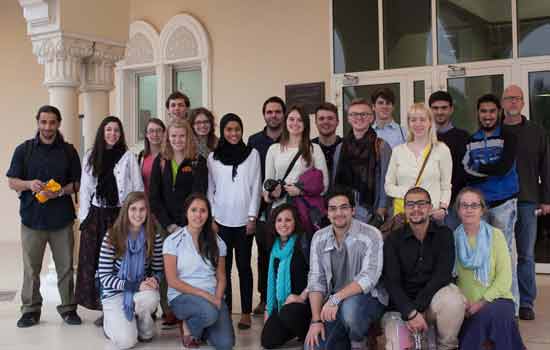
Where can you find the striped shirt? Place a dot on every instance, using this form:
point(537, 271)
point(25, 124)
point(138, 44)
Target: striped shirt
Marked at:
point(109, 266)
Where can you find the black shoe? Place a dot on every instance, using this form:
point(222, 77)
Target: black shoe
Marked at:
point(144, 340)
point(28, 319)
point(526, 313)
point(71, 317)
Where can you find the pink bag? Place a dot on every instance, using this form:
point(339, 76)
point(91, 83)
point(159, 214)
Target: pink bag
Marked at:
point(311, 205)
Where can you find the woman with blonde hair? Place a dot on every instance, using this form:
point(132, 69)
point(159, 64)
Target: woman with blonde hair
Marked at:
point(423, 161)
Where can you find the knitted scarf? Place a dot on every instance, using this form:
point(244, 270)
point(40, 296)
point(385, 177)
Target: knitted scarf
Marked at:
point(278, 282)
point(132, 269)
point(475, 258)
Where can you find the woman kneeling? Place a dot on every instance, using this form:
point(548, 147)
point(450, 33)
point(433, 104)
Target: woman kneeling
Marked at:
point(194, 260)
point(130, 267)
point(485, 277)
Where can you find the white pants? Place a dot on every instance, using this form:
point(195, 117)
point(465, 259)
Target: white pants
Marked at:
point(124, 333)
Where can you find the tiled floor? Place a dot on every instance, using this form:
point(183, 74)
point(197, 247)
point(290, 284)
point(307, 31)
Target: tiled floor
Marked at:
point(53, 334)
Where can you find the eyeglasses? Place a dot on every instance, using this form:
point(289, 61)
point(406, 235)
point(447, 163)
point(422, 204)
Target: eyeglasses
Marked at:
point(512, 98)
point(421, 204)
point(360, 115)
point(155, 131)
point(202, 122)
point(343, 207)
point(466, 206)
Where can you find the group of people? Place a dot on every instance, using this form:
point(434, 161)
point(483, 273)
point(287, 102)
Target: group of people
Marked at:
point(162, 227)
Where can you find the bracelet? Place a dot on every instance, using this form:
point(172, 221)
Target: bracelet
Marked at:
point(334, 300)
point(413, 316)
point(61, 192)
point(315, 321)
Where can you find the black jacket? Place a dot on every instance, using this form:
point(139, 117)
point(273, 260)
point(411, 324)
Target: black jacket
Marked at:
point(167, 198)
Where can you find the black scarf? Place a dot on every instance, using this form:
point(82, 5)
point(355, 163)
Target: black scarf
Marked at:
point(357, 165)
point(228, 153)
point(107, 190)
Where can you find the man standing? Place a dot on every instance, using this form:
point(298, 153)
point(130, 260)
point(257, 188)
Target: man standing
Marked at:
point(441, 104)
point(49, 221)
point(326, 120)
point(490, 162)
point(386, 128)
point(345, 265)
point(533, 163)
point(273, 110)
point(418, 266)
point(177, 105)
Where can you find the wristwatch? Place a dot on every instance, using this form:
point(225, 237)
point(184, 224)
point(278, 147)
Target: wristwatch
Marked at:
point(61, 192)
point(251, 219)
point(334, 300)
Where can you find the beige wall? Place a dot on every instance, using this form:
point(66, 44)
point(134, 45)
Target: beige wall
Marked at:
point(257, 47)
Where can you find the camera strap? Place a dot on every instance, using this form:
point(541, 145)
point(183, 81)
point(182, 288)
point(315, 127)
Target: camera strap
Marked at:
point(291, 165)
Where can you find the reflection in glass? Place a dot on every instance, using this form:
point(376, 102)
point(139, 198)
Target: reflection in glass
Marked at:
point(465, 92)
point(407, 33)
point(533, 27)
point(419, 91)
point(355, 35)
point(190, 83)
point(349, 93)
point(147, 101)
point(473, 30)
point(539, 98)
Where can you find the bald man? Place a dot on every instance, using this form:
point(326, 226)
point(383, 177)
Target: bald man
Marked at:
point(533, 162)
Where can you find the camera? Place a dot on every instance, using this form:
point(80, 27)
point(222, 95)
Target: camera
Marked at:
point(270, 184)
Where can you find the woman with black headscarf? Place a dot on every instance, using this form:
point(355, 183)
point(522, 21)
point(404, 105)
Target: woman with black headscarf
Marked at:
point(234, 188)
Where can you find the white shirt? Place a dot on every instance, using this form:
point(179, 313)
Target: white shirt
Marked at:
point(191, 267)
point(127, 175)
point(234, 200)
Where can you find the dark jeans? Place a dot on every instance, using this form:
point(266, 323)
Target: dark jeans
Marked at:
point(526, 236)
point(236, 237)
point(291, 322)
point(264, 243)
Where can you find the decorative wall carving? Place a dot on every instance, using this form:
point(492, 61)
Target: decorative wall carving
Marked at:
point(139, 50)
point(181, 44)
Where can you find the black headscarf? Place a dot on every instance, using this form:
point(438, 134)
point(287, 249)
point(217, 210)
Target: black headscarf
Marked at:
point(228, 153)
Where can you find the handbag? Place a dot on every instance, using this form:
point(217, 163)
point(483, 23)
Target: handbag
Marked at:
point(311, 205)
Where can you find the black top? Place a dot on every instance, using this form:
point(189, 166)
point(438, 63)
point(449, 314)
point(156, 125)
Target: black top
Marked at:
point(298, 270)
point(415, 270)
point(58, 161)
point(532, 161)
point(328, 151)
point(456, 139)
point(167, 198)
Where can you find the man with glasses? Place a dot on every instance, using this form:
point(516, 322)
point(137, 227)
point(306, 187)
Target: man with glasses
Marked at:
point(533, 164)
point(394, 134)
point(490, 162)
point(418, 266)
point(326, 121)
point(345, 265)
point(273, 111)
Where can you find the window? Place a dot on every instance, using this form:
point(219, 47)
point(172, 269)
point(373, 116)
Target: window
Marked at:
point(190, 83)
point(146, 102)
point(533, 27)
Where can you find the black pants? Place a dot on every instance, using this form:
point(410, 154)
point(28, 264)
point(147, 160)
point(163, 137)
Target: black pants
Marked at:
point(291, 322)
point(236, 237)
point(264, 243)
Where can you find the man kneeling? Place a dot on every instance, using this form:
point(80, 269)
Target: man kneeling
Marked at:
point(345, 265)
point(418, 265)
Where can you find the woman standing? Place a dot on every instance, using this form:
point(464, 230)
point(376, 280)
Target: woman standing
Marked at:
point(177, 172)
point(109, 173)
point(485, 277)
point(202, 121)
point(194, 263)
point(288, 313)
point(130, 269)
point(234, 187)
point(154, 136)
point(422, 161)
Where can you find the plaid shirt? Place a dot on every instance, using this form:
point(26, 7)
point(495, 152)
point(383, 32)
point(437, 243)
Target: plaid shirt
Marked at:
point(365, 259)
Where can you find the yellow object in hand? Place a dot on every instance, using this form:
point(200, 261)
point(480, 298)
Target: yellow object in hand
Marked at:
point(51, 186)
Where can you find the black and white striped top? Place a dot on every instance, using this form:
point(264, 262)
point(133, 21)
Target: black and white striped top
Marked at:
point(109, 266)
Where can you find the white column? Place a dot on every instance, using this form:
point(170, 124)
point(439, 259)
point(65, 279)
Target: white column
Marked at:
point(66, 99)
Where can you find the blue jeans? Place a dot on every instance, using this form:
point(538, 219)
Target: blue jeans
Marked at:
point(204, 317)
point(504, 218)
point(353, 320)
point(526, 236)
point(451, 219)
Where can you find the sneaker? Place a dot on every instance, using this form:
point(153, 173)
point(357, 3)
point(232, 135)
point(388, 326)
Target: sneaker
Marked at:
point(28, 319)
point(260, 309)
point(358, 345)
point(170, 320)
point(71, 317)
point(144, 340)
point(526, 313)
point(189, 342)
point(99, 321)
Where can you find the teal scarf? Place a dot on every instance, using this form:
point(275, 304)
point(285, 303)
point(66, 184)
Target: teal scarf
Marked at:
point(476, 258)
point(278, 290)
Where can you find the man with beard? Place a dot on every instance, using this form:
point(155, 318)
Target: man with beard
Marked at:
point(490, 162)
point(273, 110)
point(326, 121)
point(49, 221)
point(418, 265)
point(345, 266)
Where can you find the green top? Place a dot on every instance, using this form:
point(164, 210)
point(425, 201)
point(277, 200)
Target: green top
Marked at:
point(500, 273)
point(175, 167)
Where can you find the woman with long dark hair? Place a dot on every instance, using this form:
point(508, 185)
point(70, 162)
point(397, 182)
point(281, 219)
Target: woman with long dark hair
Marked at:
point(109, 173)
point(154, 137)
point(202, 121)
point(194, 263)
point(130, 269)
point(288, 313)
point(234, 187)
